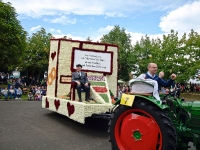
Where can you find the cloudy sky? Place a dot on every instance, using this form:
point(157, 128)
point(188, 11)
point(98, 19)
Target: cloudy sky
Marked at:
point(79, 19)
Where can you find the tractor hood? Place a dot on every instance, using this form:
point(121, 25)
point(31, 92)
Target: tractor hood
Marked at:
point(194, 109)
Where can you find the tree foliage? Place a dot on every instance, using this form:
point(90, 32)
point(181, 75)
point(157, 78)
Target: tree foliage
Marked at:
point(119, 37)
point(12, 37)
point(88, 39)
point(172, 54)
point(37, 52)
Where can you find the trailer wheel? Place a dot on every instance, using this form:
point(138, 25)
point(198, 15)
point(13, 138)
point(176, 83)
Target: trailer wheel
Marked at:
point(143, 126)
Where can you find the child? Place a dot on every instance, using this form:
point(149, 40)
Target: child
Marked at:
point(5, 93)
point(37, 97)
point(38, 94)
point(30, 96)
point(11, 92)
point(19, 93)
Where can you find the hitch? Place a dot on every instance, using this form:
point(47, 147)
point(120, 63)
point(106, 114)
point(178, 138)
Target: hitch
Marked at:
point(106, 116)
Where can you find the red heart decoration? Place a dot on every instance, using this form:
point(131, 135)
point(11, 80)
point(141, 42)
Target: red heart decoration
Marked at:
point(70, 108)
point(57, 104)
point(47, 103)
point(53, 55)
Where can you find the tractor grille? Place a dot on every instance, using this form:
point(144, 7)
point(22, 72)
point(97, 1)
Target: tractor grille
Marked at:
point(195, 123)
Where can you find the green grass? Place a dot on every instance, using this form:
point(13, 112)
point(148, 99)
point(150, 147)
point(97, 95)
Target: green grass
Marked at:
point(189, 96)
point(3, 86)
point(24, 97)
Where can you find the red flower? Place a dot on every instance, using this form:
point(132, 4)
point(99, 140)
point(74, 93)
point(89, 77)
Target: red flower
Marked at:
point(100, 89)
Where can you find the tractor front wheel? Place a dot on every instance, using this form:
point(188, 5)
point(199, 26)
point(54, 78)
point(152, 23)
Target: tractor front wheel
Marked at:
point(143, 126)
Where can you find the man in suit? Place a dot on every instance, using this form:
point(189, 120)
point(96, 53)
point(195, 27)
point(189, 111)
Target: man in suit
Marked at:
point(151, 74)
point(82, 82)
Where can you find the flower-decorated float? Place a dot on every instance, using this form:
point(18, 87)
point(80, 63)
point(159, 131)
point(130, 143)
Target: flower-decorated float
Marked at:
point(99, 61)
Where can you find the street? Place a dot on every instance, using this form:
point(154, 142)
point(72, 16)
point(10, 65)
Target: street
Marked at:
point(24, 125)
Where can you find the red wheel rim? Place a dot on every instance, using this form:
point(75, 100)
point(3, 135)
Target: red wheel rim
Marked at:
point(118, 131)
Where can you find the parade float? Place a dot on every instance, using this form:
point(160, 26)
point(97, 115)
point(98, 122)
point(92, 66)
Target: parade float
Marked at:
point(98, 60)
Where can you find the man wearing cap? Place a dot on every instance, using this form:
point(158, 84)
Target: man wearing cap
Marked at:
point(82, 82)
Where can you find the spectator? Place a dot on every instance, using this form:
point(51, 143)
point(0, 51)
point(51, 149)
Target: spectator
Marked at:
point(23, 82)
point(38, 95)
point(191, 87)
point(197, 88)
point(11, 92)
point(187, 87)
point(127, 89)
point(167, 90)
point(18, 93)
point(119, 93)
point(163, 90)
point(43, 91)
point(17, 83)
point(123, 89)
point(5, 93)
point(9, 83)
point(30, 96)
point(38, 83)
point(32, 90)
point(178, 87)
point(13, 83)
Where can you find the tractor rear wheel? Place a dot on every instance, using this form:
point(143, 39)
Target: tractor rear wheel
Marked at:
point(143, 126)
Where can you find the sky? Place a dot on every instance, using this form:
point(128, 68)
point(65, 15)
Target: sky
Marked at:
point(79, 19)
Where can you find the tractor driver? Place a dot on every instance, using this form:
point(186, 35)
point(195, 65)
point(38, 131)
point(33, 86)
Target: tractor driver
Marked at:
point(151, 74)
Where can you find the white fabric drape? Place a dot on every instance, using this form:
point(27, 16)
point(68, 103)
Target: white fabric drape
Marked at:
point(145, 86)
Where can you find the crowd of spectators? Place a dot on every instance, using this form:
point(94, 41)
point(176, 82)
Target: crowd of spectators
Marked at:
point(190, 87)
point(123, 89)
point(34, 89)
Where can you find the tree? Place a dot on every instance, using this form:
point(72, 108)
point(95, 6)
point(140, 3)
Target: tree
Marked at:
point(192, 46)
point(119, 37)
point(12, 38)
point(172, 54)
point(88, 39)
point(37, 52)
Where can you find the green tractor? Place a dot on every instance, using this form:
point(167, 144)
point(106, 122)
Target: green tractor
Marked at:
point(141, 122)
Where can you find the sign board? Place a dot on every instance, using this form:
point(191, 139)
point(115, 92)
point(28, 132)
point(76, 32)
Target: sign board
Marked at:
point(65, 79)
point(93, 60)
point(15, 74)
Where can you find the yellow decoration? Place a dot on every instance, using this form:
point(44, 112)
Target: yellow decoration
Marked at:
point(127, 99)
point(51, 76)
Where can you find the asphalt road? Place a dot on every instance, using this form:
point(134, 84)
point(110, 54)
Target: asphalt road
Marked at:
point(24, 125)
